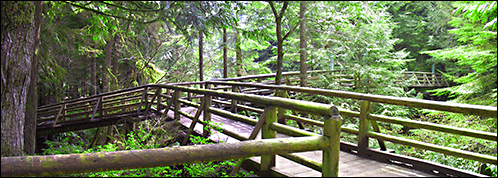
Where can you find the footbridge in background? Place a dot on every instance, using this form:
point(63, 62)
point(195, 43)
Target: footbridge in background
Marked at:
point(250, 112)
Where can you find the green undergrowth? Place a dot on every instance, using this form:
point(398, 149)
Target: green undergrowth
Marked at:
point(147, 139)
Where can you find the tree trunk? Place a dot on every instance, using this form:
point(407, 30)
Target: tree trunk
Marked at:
point(31, 104)
point(303, 46)
point(115, 68)
point(200, 56)
point(225, 69)
point(280, 40)
point(108, 61)
point(17, 52)
point(93, 79)
point(107, 81)
point(238, 54)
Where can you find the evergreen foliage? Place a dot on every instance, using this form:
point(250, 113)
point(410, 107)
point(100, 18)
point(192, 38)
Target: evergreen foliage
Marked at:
point(475, 27)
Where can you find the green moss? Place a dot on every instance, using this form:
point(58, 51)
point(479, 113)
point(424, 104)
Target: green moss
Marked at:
point(16, 15)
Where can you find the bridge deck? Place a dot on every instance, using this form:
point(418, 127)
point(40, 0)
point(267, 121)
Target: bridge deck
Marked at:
point(350, 165)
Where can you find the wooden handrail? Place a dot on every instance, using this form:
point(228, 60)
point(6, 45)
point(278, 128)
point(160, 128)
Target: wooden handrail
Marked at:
point(488, 111)
point(309, 107)
point(170, 156)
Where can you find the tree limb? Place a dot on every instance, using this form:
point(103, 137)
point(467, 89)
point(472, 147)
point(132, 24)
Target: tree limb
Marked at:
point(282, 11)
point(111, 15)
point(288, 33)
point(128, 9)
point(273, 9)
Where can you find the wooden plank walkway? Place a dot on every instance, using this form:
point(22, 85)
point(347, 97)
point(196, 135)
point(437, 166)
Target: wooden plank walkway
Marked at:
point(350, 165)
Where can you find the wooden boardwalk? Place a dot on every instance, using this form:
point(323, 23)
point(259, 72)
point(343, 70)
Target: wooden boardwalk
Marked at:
point(350, 165)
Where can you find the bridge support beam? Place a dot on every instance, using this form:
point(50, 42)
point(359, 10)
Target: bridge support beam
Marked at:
point(268, 161)
point(363, 128)
point(330, 156)
point(206, 115)
point(176, 103)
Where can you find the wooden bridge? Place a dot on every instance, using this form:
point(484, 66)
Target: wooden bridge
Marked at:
point(249, 114)
point(425, 79)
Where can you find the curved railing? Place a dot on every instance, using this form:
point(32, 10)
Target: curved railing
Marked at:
point(266, 148)
point(366, 119)
point(139, 101)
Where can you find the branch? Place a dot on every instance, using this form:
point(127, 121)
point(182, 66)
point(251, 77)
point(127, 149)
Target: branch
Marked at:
point(283, 9)
point(125, 8)
point(273, 9)
point(110, 15)
point(288, 33)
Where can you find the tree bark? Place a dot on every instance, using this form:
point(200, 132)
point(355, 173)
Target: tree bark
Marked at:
point(200, 56)
point(225, 69)
point(238, 54)
point(32, 102)
point(303, 54)
point(280, 40)
point(108, 61)
point(17, 52)
point(115, 69)
point(93, 79)
point(107, 81)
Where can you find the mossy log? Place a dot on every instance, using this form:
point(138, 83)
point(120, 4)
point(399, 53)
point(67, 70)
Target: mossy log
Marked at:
point(488, 111)
point(437, 127)
point(119, 160)
point(435, 148)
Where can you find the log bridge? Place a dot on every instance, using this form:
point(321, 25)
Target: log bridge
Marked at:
point(250, 114)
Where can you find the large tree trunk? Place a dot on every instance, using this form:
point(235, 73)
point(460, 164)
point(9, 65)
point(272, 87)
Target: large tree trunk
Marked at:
point(107, 82)
point(303, 55)
point(200, 56)
point(17, 52)
point(108, 61)
point(32, 102)
point(225, 69)
point(115, 68)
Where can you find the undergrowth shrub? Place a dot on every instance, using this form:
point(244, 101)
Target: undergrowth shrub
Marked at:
point(146, 140)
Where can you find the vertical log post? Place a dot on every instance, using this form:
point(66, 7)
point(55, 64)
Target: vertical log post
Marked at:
point(363, 129)
point(176, 102)
point(268, 161)
point(144, 100)
point(330, 156)
point(189, 95)
point(207, 114)
point(101, 107)
point(234, 102)
point(159, 91)
point(281, 111)
point(64, 113)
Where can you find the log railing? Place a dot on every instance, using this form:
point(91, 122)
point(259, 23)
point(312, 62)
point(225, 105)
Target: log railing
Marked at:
point(367, 120)
point(142, 99)
point(76, 113)
point(267, 148)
